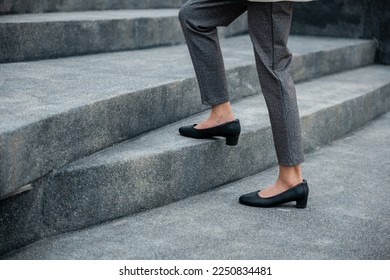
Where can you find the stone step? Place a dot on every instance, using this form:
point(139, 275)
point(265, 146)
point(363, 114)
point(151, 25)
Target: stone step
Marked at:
point(41, 36)
point(45, 6)
point(161, 167)
point(57, 111)
point(341, 220)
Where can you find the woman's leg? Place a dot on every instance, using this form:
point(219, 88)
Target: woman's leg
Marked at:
point(269, 27)
point(199, 19)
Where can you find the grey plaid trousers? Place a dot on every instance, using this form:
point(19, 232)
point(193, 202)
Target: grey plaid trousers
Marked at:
point(269, 27)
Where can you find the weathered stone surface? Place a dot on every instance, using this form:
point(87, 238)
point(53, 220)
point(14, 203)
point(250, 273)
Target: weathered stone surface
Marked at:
point(22, 221)
point(378, 27)
point(44, 6)
point(346, 18)
point(161, 167)
point(52, 35)
point(57, 111)
point(39, 36)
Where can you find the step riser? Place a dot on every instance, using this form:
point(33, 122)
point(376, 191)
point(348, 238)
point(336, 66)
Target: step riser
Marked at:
point(45, 6)
point(79, 198)
point(336, 122)
point(104, 123)
point(51, 40)
point(319, 64)
point(43, 40)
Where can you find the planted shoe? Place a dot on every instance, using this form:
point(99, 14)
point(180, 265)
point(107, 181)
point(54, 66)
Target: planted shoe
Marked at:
point(298, 193)
point(230, 130)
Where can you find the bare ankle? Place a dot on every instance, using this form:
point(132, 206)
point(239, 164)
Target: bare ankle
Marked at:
point(221, 113)
point(290, 176)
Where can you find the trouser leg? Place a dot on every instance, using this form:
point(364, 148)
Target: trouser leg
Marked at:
point(199, 19)
point(269, 27)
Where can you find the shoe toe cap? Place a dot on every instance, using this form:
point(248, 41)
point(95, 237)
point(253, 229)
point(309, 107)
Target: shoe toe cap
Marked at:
point(249, 198)
point(185, 130)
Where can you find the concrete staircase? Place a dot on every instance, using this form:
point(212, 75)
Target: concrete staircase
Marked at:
point(87, 139)
point(341, 221)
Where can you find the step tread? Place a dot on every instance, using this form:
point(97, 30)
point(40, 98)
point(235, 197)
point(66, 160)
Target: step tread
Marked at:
point(88, 16)
point(313, 96)
point(32, 91)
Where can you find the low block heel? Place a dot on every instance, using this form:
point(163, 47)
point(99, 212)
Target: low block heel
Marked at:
point(302, 203)
point(232, 140)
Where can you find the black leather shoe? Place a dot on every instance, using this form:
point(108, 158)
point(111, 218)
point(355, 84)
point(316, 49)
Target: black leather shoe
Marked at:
point(230, 130)
point(298, 193)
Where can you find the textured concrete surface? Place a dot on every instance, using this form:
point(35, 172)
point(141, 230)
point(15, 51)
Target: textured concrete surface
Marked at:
point(161, 167)
point(44, 6)
point(346, 18)
point(84, 104)
point(52, 35)
point(40, 36)
point(348, 216)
